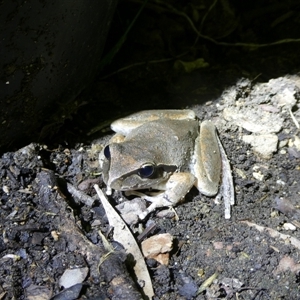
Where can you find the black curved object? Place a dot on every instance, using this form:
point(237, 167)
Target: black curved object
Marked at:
point(49, 52)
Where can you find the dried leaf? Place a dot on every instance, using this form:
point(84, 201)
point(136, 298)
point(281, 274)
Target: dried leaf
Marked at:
point(123, 235)
point(207, 283)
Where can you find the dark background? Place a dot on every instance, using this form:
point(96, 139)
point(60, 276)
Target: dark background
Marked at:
point(59, 91)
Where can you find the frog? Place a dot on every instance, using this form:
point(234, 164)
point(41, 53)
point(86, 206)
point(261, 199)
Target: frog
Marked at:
point(167, 151)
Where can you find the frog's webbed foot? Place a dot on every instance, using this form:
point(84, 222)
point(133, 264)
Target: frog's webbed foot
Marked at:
point(157, 201)
point(177, 186)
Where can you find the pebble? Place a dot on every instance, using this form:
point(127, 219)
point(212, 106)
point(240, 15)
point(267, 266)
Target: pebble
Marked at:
point(289, 226)
point(263, 144)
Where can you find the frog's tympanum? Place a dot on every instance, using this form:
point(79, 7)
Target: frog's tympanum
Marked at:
point(169, 151)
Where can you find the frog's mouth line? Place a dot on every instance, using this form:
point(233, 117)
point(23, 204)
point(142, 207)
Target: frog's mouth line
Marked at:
point(143, 193)
point(135, 182)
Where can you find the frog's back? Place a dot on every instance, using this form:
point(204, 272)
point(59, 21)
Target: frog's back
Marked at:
point(166, 141)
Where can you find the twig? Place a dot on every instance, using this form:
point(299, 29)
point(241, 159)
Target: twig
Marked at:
point(83, 198)
point(275, 234)
point(207, 13)
point(294, 119)
point(169, 8)
point(207, 283)
point(140, 64)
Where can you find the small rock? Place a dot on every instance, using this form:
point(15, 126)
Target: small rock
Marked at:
point(130, 218)
point(73, 276)
point(187, 286)
point(289, 226)
point(96, 223)
point(286, 207)
point(293, 152)
point(55, 235)
point(286, 97)
point(218, 245)
point(294, 147)
point(130, 210)
point(232, 282)
point(166, 213)
point(264, 144)
point(253, 119)
point(5, 189)
point(282, 151)
point(287, 263)
point(158, 247)
point(258, 176)
point(282, 143)
point(241, 173)
point(297, 142)
point(36, 292)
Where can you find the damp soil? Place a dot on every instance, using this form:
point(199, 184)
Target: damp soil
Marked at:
point(50, 215)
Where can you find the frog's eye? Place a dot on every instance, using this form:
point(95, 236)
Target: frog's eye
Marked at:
point(146, 170)
point(106, 152)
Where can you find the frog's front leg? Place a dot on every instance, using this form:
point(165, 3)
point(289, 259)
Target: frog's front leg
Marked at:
point(176, 187)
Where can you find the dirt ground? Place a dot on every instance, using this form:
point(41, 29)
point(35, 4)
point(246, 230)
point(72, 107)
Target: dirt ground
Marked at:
point(51, 217)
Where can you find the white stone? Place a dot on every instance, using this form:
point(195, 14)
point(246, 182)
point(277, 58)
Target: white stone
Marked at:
point(289, 226)
point(264, 144)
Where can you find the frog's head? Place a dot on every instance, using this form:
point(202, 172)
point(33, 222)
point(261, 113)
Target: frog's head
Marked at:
point(128, 167)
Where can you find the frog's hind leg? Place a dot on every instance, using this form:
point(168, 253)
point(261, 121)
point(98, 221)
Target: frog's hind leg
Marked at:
point(211, 163)
point(207, 160)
